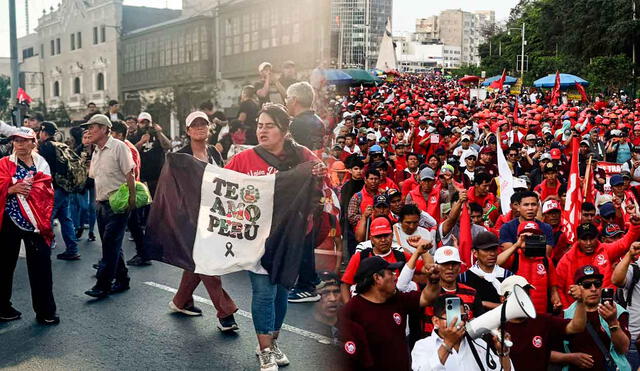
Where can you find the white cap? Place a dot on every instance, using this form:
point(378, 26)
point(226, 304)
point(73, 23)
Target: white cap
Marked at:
point(23, 132)
point(144, 116)
point(263, 65)
point(545, 156)
point(346, 114)
point(530, 137)
point(509, 282)
point(447, 254)
point(467, 153)
point(194, 115)
point(466, 136)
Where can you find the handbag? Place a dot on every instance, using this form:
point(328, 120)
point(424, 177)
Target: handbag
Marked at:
point(609, 363)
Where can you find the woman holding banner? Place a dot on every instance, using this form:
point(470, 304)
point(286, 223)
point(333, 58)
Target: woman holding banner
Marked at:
point(198, 131)
point(274, 153)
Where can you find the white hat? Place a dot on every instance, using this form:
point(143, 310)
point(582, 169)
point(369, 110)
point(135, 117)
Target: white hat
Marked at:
point(447, 254)
point(530, 137)
point(23, 132)
point(144, 116)
point(263, 65)
point(467, 153)
point(545, 156)
point(509, 282)
point(466, 136)
point(194, 115)
point(346, 115)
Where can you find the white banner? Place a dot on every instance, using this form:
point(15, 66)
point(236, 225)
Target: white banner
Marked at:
point(234, 221)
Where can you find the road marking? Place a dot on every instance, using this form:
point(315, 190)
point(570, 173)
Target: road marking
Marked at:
point(308, 334)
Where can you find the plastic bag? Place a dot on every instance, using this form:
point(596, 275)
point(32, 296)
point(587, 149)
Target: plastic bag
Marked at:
point(119, 200)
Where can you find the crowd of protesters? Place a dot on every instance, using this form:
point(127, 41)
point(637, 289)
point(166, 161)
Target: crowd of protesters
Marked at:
point(412, 215)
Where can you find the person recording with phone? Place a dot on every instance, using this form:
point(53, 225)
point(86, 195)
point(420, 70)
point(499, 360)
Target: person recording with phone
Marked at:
point(602, 345)
point(152, 145)
point(449, 347)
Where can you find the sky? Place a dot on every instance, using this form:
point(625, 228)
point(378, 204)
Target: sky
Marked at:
point(405, 12)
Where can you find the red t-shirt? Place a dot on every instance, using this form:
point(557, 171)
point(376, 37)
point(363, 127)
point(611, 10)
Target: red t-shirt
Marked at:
point(136, 158)
point(248, 162)
point(374, 333)
point(532, 340)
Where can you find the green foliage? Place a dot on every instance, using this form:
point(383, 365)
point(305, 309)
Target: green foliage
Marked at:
point(5, 95)
point(589, 38)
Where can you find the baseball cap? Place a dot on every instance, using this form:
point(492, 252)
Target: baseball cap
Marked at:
point(99, 120)
point(346, 115)
point(549, 168)
point(510, 282)
point(616, 180)
point(392, 192)
point(371, 136)
point(375, 148)
point(384, 140)
point(584, 142)
point(49, 127)
point(374, 264)
point(380, 225)
point(545, 156)
point(36, 116)
point(447, 254)
point(485, 240)
point(263, 65)
point(587, 231)
point(380, 200)
point(427, 173)
point(616, 133)
point(607, 209)
point(555, 154)
point(529, 227)
point(144, 116)
point(551, 205)
point(465, 137)
point(362, 140)
point(194, 115)
point(612, 230)
point(586, 271)
point(23, 132)
point(531, 137)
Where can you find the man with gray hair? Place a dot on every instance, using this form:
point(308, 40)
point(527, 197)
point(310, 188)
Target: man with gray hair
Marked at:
point(306, 128)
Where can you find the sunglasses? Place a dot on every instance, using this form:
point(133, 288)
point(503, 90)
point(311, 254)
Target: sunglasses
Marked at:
point(587, 284)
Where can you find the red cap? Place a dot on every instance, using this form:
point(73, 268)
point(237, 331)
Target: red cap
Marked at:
point(529, 227)
point(551, 205)
point(555, 154)
point(380, 225)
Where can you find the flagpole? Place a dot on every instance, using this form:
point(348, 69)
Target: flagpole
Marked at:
point(587, 172)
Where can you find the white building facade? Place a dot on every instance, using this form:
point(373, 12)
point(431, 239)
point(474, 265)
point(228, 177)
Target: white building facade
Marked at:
point(416, 56)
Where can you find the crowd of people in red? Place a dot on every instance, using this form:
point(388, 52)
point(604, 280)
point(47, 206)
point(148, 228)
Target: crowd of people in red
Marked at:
point(419, 167)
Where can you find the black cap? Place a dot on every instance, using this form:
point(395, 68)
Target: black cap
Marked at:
point(392, 192)
point(380, 200)
point(374, 264)
point(36, 115)
point(587, 231)
point(49, 127)
point(587, 271)
point(485, 240)
point(549, 168)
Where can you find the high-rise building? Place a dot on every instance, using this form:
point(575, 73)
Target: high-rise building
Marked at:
point(459, 28)
point(357, 29)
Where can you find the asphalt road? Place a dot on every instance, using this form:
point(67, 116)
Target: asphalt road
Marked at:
point(135, 330)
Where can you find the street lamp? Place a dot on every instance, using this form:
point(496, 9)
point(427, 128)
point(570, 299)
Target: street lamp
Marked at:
point(524, 42)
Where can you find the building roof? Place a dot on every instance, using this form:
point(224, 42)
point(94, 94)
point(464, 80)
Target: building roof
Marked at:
point(138, 17)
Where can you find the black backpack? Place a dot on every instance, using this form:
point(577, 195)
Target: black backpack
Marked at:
point(620, 292)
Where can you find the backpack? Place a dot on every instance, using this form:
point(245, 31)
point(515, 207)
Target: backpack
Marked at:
point(70, 172)
point(619, 296)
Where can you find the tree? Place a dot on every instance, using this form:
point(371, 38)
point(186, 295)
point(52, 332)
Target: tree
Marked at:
point(608, 73)
point(5, 95)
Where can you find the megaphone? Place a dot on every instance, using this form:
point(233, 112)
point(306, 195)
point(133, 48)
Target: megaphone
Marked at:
point(518, 305)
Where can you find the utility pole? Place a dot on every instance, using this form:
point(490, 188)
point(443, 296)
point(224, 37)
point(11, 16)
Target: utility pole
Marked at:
point(522, 55)
point(13, 42)
point(633, 52)
point(367, 24)
point(26, 15)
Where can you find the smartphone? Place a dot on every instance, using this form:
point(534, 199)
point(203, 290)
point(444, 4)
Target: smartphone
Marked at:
point(607, 295)
point(452, 306)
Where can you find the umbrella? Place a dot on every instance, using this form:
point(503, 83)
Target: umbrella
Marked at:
point(361, 76)
point(337, 77)
point(566, 81)
point(376, 72)
point(509, 80)
point(469, 79)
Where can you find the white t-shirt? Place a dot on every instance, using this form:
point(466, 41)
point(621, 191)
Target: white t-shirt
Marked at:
point(636, 173)
point(400, 237)
point(634, 308)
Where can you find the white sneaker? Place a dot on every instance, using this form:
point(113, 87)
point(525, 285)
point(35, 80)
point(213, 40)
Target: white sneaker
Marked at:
point(267, 360)
point(281, 358)
point(191, 311)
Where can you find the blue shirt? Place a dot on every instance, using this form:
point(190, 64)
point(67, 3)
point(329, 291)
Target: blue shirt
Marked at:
point(624, 153)
point(509, 231)
point(12, 207)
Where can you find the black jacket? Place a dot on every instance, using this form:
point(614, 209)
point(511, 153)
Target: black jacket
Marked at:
point(212, 153)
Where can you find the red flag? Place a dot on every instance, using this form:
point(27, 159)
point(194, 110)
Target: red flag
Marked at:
point(498, 83)
point(23, 97)
point(573, 204)
point(589, 192)
point(555, 93)
point(583, 93)
point(515, 111)
point(465, 241)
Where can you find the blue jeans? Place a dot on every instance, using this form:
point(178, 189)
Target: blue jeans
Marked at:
point(83, 209)
point(632, 355)
point(268, 304)
point(111, 227)
point(61, 212)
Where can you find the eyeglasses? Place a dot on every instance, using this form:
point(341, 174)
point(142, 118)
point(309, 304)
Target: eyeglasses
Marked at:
point(587, 284)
